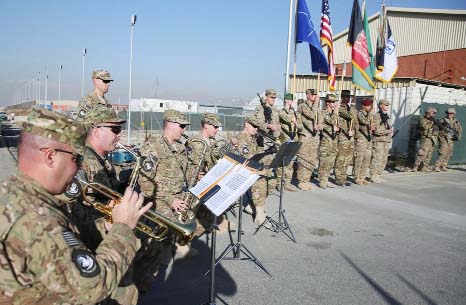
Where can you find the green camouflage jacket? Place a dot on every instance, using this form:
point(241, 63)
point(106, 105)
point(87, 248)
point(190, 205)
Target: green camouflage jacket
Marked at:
point(42, 260)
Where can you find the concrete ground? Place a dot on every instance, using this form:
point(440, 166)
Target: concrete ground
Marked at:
point(401, 242)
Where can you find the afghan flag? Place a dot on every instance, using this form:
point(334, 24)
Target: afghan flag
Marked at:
point(361, 59)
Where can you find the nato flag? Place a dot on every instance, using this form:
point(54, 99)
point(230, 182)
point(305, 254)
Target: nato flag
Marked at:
point(305, 32)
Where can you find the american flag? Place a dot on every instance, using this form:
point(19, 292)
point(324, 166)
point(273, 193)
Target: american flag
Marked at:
point(326, 38)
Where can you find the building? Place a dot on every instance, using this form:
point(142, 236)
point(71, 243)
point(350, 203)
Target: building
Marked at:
point(431, 43)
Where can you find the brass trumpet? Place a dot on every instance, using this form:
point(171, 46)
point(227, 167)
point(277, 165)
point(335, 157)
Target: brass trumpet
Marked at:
point(153, 224)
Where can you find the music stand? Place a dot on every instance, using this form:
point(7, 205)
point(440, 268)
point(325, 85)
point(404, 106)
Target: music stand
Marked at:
point(283, 158)
point(238, 247)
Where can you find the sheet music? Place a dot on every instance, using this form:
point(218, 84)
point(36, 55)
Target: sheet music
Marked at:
point(230, 179)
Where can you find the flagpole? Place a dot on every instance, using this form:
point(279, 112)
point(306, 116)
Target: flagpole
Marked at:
point(318, 85)
point(288, 51)
point(295, 48)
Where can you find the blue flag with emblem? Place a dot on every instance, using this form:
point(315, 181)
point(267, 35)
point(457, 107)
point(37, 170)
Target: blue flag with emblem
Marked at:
point(305, 32)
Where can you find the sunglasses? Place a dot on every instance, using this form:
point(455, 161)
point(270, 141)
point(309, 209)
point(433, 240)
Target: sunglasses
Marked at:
point(106, 81)
point(116, 129)
point(77, 158)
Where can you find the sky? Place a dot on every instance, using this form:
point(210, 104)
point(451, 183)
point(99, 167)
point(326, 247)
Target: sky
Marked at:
point(204, 50)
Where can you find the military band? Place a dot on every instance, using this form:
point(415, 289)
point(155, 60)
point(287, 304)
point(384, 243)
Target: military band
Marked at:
point(58, 248)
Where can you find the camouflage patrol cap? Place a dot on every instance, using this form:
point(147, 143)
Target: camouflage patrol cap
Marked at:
point(431, 109)
point(271, 92)
point(384, 102)
point(311, 91)
point(211, 118)
point(330, 97)
point(451, 110)
point(175, 116)
point(56, 127)
point(102, 114)
point(102, 74)
point(253, 120)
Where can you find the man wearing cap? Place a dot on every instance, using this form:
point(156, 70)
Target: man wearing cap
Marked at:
point(428, 129)
point(309, 122)
point(381, 141)
point(248, 147)
point(43, 259)
point(348, 123)
point(329, 144)
point(101, 80)
point(267, 114)
point(363, 142)
point(204, 152)
point(289, 132)
point(449, 133)
point(166, 182)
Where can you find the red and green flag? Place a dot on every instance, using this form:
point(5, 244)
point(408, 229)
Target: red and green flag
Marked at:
point(361, 55)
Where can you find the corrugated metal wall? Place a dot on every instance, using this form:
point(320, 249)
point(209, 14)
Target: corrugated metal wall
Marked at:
point(414, 33)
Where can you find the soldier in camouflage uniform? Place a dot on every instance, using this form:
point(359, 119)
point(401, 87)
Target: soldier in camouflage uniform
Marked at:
point(310, 124)
point(289, 132)
point(449, 133)
point(363, 142)
point(429, 140)
point(329, 144)
point(248, 147)
point(101, 80)
point(43, 260)
point(166, 183)
point(267, 114)
point(381, 141)
point(204, 152)
point(347, 122)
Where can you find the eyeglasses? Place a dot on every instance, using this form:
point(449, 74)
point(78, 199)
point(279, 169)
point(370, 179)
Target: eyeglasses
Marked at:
point(273, 97)
point(77, 158)
point(116, 129)
point(450, 113)
point(182, 126)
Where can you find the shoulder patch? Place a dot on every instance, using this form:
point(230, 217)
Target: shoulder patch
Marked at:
point(245, 150)
point(73, 190)
point(82, 114)
point(85, 262)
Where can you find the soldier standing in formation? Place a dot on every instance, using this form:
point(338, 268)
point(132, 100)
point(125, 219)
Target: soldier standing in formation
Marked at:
point(428, 129)
point(48, 263)
point(267, 114)
point(381, 141)
point(347, 122)
point(101, 80)
point(309, 116)
point(329, 144)
point(450, 132)
point(289, 132)
point(363, 142)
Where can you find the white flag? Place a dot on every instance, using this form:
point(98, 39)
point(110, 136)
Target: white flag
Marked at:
point(390, 65)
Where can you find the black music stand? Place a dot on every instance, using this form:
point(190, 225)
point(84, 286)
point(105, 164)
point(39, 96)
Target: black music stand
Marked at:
point(238, 247)
point(285, 154)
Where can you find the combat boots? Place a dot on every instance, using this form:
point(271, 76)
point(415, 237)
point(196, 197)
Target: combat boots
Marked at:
point(375, 179)
point(425, 168)
point(359, 181)
point(305, 186)
point(437, 169)
point(443, 168)
point(290, 187)
point(260, 215)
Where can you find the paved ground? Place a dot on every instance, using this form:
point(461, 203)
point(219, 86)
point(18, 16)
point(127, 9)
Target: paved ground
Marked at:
point(402, 242)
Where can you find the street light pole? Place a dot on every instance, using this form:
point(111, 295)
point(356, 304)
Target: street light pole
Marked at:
point(59, 82)
point(133, 22)
point(82, 80)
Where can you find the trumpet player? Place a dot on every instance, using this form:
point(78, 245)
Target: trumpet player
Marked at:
point(310, 125)
point(166, 183)
point(289, 132)
point(348, 123)
point(46, 259)
point(329, 143)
